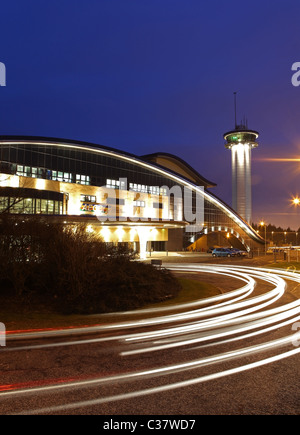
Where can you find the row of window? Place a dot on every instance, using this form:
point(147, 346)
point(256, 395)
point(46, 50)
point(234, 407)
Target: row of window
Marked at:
point(120, 184)
point(87, 198)
point(117, 201)
point(139, 203)
point(79, 178)
point(98, 166)
point(67, 177)
point(30, 206)
point(116, 184)
point(153, 190)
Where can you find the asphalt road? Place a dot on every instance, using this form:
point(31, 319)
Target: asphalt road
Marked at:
point(236, 354)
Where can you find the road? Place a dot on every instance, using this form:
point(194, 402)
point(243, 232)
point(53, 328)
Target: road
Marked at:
point(236, 353)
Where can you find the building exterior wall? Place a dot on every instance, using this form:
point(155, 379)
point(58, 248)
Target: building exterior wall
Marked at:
point(121, 196)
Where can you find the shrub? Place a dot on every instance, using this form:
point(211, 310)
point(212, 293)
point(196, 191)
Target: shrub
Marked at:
point(120, 284)
point(75, 271)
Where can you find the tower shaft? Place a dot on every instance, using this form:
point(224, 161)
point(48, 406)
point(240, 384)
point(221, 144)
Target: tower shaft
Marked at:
point(241, 181)
point(240, 142)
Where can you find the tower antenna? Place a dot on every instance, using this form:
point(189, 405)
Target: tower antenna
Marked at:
point(235, 124)
point(241, 141)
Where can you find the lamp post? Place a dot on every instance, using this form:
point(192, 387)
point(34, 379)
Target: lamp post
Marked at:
point(296, 202)
point(263, 224)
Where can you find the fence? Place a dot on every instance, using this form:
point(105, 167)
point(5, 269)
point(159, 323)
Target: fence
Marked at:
point(283, 253)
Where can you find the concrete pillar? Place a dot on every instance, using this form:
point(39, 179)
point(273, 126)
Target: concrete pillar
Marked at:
point(144, 236)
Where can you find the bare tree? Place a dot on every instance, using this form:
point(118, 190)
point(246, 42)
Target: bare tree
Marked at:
point(11, 196)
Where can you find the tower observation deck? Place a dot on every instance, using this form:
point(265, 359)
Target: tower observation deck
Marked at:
point(241, 141)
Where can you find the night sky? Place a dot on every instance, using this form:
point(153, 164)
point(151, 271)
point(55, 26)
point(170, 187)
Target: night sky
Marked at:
point(159, 75)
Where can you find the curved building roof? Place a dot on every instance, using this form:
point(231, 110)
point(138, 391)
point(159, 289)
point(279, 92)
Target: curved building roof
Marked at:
point(178, 165)
point(163, 165)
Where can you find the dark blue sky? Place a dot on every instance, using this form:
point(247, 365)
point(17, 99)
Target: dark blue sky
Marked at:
point(146, 76)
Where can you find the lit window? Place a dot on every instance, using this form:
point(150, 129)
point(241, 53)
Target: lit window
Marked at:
point(83, 179)
point(87, 198)
point(139, 203)
point(115, 184)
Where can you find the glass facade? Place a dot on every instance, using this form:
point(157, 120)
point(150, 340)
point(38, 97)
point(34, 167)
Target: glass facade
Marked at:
point(81, 166)
point(30, 201)
point(91, 166)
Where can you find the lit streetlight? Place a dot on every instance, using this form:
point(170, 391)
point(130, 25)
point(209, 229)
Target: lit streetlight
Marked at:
point(296, 203)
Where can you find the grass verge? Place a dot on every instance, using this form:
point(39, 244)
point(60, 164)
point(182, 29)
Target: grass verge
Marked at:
point(291, 265)
point(16, 319)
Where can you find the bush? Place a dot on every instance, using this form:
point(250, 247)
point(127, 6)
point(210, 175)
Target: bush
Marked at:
point(75, 271)
point(120, 284)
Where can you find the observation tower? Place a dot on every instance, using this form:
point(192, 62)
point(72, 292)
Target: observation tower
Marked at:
point(241, 141)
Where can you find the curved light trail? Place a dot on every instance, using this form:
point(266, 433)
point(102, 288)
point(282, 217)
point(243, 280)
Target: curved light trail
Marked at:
point(220, 325)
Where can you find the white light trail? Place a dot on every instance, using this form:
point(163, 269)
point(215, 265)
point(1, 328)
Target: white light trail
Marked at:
point(231, 317)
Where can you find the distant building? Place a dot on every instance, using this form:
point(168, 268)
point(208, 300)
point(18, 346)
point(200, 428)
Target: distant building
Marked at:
point(123, 197)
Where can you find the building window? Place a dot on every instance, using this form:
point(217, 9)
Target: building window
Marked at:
point(153, 190)
point(139, 203)
point(87, 198)
point(65, 177)
point(112, 184)
point(116, 184)
point(28, 171)
point(30, 206)
point(83, 179)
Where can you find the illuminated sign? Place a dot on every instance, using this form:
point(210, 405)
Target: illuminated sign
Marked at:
point(91, 207)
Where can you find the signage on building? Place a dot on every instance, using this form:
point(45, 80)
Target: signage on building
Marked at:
point(91, 207)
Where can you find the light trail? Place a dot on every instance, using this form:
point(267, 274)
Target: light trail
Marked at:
point(164, 388)
point(232, 317)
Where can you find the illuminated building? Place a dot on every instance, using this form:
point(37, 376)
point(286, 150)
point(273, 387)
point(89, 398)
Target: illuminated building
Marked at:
point(123, 197)
point(241, 141)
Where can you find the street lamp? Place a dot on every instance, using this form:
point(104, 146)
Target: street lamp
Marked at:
point(296, 203)
point(263, 224)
